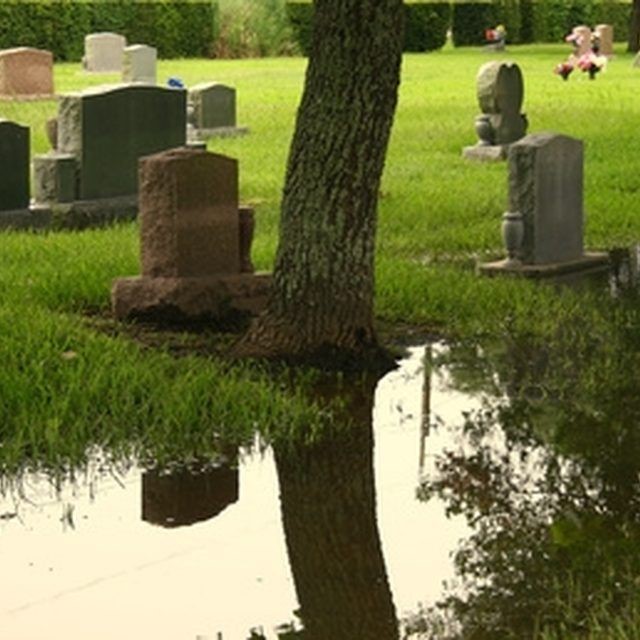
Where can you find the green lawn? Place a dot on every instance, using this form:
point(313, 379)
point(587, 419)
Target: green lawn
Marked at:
point(438, 214)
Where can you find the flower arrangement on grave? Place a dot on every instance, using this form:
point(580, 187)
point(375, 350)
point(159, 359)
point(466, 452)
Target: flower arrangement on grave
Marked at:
point(497, 35)
point(592, 63)
point(575, 40)
point(564, 69)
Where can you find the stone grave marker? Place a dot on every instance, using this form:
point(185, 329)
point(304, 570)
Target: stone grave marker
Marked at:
point(212, 110)
point(101, 134)
point(582, 43)
point(139, 64)
point(543, 228)
point(14, 178)
point(500, 91)
point(191, 243)
point(103, 52)
point(25, 72)
point(604, 33)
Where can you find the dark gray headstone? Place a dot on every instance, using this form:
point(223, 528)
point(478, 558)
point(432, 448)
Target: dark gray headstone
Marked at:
point(109, 129)
point(545, 187)
point(213, 105)
point(14, 166)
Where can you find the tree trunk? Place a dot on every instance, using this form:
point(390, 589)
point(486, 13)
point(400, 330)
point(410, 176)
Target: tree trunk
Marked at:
point(323, 288)
point(634, 27)
point(328, 504)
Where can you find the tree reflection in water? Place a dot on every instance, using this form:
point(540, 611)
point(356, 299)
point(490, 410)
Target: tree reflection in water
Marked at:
point(547, 474)
point(328, 504)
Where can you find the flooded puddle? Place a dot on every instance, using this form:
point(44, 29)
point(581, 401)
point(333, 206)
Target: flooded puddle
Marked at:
point(93, 559)
point(451, 495)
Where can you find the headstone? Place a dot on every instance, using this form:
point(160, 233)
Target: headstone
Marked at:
point(604, 35)
point(212, 110)
point(582, 39)
point(14, 160)
point(104, 52)
point(543, 228)
point(500, 93)
point(25, 71)
point(139, 64)
point(191, 242)
point(108, 129)
point(189, 215)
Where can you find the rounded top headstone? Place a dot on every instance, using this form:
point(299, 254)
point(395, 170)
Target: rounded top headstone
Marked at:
point(500, 87)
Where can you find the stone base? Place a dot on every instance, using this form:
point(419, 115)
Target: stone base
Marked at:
point(486, 153)
point(82, 214)
point(218, 132)
point(24, 219)
point(588, 262)
point(169, 300)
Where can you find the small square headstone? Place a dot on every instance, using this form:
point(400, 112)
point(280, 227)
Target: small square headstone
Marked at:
point(604, 34)
point(139, 64)
point(213, 104)
point(104, 52)
point(25, 71)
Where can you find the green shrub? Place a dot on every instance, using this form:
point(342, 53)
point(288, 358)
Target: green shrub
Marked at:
point(253, 28)
point(175, 27)
point(426, 25)
point(470, 19)
point(300, 15)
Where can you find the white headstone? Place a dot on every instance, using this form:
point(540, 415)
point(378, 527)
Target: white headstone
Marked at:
point(139, 64)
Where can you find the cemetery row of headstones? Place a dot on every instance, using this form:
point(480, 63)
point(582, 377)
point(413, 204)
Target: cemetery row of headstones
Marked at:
point(543, 227)
point(26, 72)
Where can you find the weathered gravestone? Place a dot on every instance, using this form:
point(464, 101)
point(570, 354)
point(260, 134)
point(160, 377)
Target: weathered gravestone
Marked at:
point(103, 52)
point(101, 134)
point(192, 244)
point(139, 64)
point(500, 94)
point(581, 38)
point(212, 111)
point(26, 72)
point(543, 228)
point(604, 35)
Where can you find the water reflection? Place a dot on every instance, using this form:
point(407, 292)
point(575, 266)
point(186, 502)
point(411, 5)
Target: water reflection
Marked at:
point(186, 495)
point(328, 503)
point(547, 475)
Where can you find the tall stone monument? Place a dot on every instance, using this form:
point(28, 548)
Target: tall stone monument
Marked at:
point(543, 227)
point(103, 52)
point(26, 72)
point(500, 94)
point(92, 176)
point(192, 243)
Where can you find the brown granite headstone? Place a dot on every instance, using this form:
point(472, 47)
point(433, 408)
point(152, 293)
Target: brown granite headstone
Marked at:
point(25, 71)
point(195, 241)
point(189, 214)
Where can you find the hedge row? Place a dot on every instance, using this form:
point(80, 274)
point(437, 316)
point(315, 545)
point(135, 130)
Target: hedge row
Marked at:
point(177, 28)
point(426, 24)
point(525, 20)
point(535, 20)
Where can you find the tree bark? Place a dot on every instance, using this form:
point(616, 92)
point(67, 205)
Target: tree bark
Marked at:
point(634, 28)
point(323, 281)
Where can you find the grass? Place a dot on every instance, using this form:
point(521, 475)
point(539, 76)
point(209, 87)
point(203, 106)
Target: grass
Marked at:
point(438, 215)
point(71, 380)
